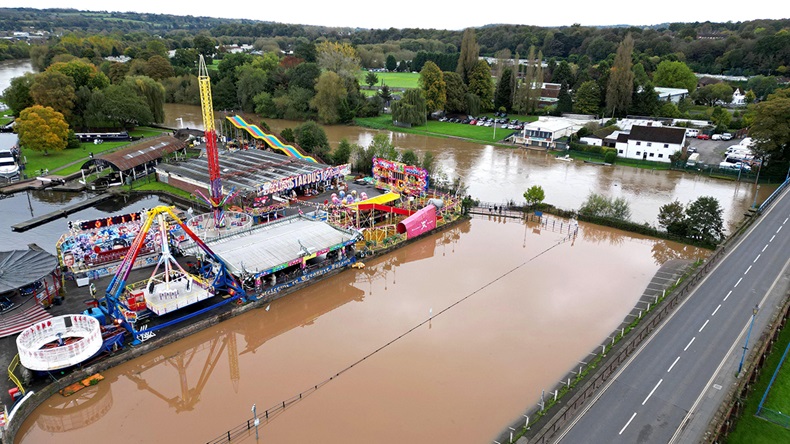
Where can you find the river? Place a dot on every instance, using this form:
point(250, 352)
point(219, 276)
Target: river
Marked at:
point(514, 307)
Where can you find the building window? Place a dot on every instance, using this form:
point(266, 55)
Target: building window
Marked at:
point(649, 144)
point(660, 156)
point(666, 145)
point(638, 153)
point(651, 154)
point(638, 143)
point(620, 152)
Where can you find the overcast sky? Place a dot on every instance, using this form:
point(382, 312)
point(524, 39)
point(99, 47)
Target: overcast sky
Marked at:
point(444, 14)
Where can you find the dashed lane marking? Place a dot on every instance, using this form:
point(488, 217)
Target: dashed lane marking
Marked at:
point(673, 364)
point(717, 309)
point(689, 344)
point(703, 325)
point(652, 391)
point(626, 424)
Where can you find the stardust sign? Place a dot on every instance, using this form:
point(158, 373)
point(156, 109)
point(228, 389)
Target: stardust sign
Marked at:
point(285, 184)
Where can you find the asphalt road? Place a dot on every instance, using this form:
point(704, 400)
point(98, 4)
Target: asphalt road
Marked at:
point(669, 390)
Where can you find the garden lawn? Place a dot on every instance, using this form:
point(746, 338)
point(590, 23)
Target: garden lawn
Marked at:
point(393, 79)
point(749, 429)
point(149, 184)
point(442, 129)
point(70, 160)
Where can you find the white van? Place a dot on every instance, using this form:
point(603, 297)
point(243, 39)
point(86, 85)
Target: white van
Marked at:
point(693, 160)
point(692, 132)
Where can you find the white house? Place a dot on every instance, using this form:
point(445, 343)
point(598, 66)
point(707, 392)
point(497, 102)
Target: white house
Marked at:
point(738, 98)
point(671, 94)
point(546, 130)
point(651, 143)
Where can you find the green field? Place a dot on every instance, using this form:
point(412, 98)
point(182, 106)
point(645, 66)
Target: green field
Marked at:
point(69, 161)
point(444, 129)
point(750, 429)
point(393, 79)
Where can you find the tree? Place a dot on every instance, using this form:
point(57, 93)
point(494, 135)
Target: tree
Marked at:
point(304, 75)
point(117, 72)
point(82, 73)
point(385, 94)
point(762, 86)
point(433, 87)
point(411, 108)
point(597, 205)
point(456, 93)
point(704, 220)
point(534, 195)
point(771, 128)
point(675, 75)
point(312, 138)
point(56, 90)
point(481, 85)
point(503, 97)
point(159, 68)
point(340, 58)
point(645, 101)
point(721, 118)
point(185, 58)
point(409, 157)
point(306, 51)
point(41, 128)
point(17, 95)
point(563, 73)
point(468, 60)
point(371, 79)
point(621, 79)
point(672, 218)
point(391, 64)
point(251, 81)
point(152, 93)
point(205, 46)
point(564, 100)
point(330, 93)
point(588, 96)
point(342, 153)
point(713, 93)
point(122, 105)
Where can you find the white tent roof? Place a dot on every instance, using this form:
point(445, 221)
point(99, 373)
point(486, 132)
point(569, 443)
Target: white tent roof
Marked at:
point(275, 243)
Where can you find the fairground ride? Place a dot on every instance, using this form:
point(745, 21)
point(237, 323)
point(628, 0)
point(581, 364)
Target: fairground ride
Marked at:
point(173, 288)
point(215, 199)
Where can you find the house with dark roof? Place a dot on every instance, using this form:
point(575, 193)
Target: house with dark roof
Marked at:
point(654, 143)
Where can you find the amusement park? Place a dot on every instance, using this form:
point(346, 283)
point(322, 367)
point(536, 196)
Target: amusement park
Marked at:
point(277, 221)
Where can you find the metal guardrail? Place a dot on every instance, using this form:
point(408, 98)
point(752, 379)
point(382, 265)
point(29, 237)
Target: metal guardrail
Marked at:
point(774, 195)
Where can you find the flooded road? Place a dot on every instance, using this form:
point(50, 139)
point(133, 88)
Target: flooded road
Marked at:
point(496, 174)
point(514, 308)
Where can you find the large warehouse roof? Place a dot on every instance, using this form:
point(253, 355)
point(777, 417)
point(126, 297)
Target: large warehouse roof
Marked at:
point(23, 267)
point(246, 170)
point(276, 243)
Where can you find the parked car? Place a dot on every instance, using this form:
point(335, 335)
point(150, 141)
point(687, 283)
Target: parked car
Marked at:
point(691, 150)
point(715, 137)
point(703, 136)
point(726, 136)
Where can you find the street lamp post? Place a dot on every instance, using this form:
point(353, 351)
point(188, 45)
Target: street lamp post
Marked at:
point(257, 421)
point(749, 333)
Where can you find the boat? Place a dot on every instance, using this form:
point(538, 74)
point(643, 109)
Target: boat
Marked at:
point(565, 158)
point(597, 162)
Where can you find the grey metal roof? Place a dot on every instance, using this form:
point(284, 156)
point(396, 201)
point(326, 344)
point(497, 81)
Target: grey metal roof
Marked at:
point(244, 169)
point(275, 243)
point(23, 267)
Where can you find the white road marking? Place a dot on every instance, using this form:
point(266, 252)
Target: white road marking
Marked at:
point(747, 270)
point(766, 246)
point(717, 309)
point(755, 259)
point(779, 229)
point(785, 220)
point(728, 295)
point(689, 344)
point(703, 325)
point(626, 424)
point(673, 364)
point(651, 391)
point(772, 239)
point(739, 281)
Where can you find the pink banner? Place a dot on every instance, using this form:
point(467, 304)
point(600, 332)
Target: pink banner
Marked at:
point(418, 223)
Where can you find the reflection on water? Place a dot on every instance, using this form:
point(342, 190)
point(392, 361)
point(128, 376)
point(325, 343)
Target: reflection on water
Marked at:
point(506, 287)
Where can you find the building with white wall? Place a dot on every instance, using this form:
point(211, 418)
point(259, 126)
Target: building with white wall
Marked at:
point(651, 143)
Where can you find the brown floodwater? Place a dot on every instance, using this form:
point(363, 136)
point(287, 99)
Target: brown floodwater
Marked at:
point(497, 174)
point(514, 307)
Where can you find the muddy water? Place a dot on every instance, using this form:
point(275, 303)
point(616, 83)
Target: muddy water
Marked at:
point(497, 174)
point(514, 308)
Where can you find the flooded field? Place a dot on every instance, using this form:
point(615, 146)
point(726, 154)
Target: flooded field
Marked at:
point(513, 308)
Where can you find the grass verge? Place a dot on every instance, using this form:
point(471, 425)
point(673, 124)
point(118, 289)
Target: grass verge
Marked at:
point(752, 429)
point(442, 129)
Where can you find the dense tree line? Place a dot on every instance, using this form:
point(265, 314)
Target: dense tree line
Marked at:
point(739, 48)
